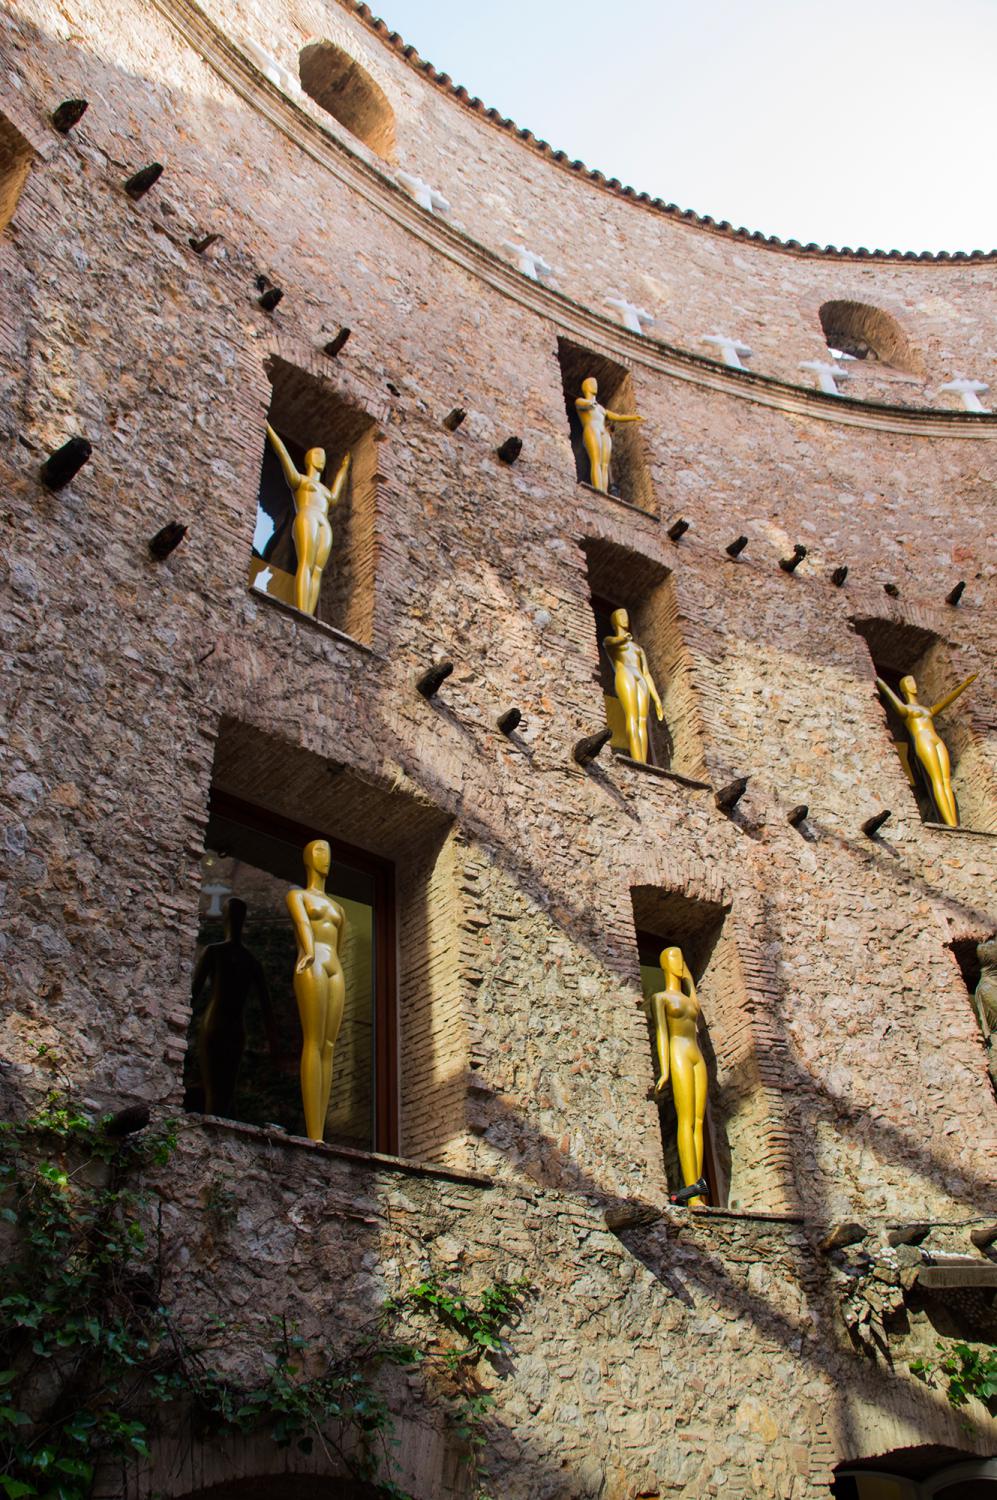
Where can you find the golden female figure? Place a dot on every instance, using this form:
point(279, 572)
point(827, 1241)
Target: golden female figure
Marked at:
point(676, 1014)
point(319, 984)
point(927, 743)
point(597, 439)
point(633, 682)
point(312, 531)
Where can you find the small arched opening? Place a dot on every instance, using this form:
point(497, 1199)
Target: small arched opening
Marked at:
point(863, 332)
point(345, 90)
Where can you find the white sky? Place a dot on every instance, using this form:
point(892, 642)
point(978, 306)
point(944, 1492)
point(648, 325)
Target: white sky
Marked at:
point(849, 122)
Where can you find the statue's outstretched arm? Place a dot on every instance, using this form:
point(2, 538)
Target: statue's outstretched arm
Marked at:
point(891, 697)
point(286, 462)
point(943, 703)
point(339, 483)
point(622, 416)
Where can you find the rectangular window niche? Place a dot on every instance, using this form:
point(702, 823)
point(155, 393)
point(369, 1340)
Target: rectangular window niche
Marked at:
point(619, 578)
point(735, 1131)
point(393, 873)
point(16, 156)
point(629, 476)
point(899, 649)
point(307, 412)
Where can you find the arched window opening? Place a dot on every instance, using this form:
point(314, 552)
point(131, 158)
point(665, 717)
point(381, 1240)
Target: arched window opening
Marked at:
point(345, 90)
point(859, 331)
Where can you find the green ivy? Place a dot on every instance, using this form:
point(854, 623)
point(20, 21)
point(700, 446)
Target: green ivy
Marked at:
point(90, 1353)
point(966, 1371)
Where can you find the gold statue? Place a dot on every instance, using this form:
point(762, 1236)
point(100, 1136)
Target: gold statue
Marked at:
point(634, 684)
point(676, 1013)
point(312, 531)
point(597, 439)
point(234, 974)
point(927, 743)
point(319, 984)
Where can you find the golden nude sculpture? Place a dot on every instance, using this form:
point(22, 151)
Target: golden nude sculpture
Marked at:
point(597, 439)
point(675, 1011)
point(319, 983)
point(926, 742)
point(634, 684)
point(312, 531)
point(234, 974)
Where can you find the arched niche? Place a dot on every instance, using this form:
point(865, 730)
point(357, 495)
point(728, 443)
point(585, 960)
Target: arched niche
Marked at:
point(339, 85)
point(865, 332)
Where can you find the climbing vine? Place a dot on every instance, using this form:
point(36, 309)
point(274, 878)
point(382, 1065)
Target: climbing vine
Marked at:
point(964, 1371)
point(91, 1354)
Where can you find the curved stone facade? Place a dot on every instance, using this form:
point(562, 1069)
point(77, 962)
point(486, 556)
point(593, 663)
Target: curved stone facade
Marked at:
point(668, 1351)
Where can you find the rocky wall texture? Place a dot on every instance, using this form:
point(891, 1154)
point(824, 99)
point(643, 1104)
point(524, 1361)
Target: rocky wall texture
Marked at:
point(849, 1075)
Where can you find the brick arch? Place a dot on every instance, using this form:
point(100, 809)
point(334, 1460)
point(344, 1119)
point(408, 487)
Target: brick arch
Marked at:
point(867, 332)
point(345, 90)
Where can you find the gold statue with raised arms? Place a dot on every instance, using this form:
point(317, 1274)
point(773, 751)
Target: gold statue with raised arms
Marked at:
point(926, 742)
point(312, 530)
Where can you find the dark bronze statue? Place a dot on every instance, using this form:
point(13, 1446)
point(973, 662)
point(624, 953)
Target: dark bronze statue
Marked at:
point(234, 974)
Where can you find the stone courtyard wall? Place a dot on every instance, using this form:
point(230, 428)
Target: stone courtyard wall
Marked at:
point(679, 1353)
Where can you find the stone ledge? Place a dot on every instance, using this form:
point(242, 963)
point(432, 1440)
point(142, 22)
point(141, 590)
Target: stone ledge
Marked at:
point(976, 833)
point(374, 1160)
point(662, 773)
point(310, 622)
point(638, 510)
point(637, 1216)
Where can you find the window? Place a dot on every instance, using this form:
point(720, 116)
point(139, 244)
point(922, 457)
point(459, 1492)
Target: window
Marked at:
point(619, 578)
point(345, 90)
point(307, 413)
point(16, 156)
point(394, 871)
point(859, 331)
point(254, 857)
point(629, 477)
point(899, 649)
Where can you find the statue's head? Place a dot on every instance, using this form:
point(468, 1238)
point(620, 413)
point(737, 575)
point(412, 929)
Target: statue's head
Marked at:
point(909, 688)
point(620, 620)
point(318, 857)
point(234, 917)
point(672, 962)
point(590, 387)
point(315, 460)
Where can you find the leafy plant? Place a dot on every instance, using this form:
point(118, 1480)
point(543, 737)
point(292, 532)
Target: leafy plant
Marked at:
point(966, 1371)
point(90, 1352)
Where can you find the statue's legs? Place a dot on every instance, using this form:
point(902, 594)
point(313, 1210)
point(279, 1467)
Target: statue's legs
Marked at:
point(311, 990)
point(593, 451)
point(633, 695)
point(333, 1021)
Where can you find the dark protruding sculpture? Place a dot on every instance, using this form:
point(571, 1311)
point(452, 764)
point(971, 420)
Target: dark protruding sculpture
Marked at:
point(985, 1000)
point(234, 974)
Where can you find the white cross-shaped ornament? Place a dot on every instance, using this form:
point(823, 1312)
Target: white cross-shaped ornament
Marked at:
point(969, 390)
point(632, 316)
point(529, 262)
point(827, 375)
point(732, 351)
point(427, 197)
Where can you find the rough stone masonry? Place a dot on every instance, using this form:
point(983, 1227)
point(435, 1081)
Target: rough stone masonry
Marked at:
point(668, 1352)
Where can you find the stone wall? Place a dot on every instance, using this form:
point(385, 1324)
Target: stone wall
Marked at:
point(849, 1080)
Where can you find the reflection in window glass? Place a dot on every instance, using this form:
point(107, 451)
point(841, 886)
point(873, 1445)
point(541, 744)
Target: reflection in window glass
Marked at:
point(259, 869)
